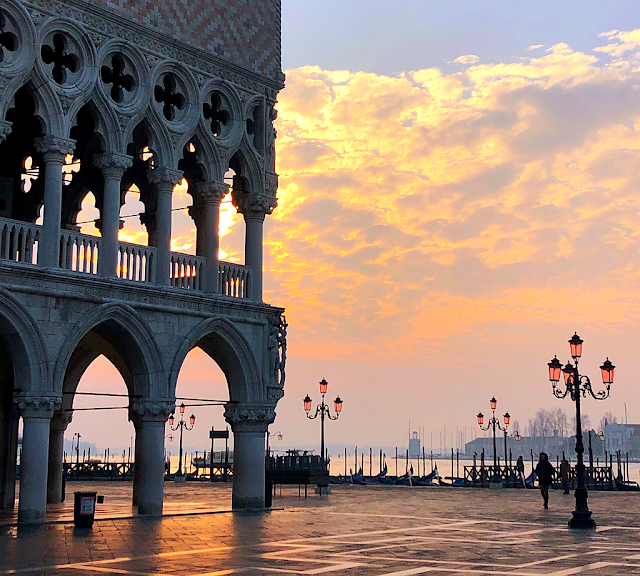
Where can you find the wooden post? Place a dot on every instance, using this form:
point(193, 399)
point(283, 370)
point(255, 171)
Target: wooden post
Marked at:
point(345, 462)
point(396, 461)
point(370, 462)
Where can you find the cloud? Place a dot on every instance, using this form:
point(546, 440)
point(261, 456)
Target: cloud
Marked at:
point(535, 46)
point(467, 59)
point(418, 207)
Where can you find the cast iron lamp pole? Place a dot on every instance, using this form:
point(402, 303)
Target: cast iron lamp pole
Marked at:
point(493, 424)
point(323, 410)
point(577, 385)
point(181, 425)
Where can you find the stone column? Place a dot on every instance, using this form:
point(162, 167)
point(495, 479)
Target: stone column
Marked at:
point(59, 424)
point(54, 150)
point(36, 415)
point(212, 194)
point(113, 167)
point(153, 415)
point(165, 180)
point(249, 424)
point(9, 419)
point(254, 208)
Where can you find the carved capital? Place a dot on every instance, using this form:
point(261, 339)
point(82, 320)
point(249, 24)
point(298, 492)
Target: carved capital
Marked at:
point(5, 129)
point(270, 184)
point(147, 410)
point(37, 406)
point(212, 192)
point(256, 205)
point(54, 149)
point(165, 177)
point(113, 165)
point(249, 417)
point(61, 420)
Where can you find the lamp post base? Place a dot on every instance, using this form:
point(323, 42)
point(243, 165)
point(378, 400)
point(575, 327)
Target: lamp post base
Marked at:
point(582, 520)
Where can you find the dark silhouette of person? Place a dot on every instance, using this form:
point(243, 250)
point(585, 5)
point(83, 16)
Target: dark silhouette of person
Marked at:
point(545, 473)
point(520, 469)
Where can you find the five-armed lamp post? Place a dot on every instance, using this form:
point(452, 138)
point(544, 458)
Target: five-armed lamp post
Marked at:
point(323, 410)
point(577, 385)
point(493, 424)
point(181, 425)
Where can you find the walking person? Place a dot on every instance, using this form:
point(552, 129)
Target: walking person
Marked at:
point(545, 473)
point(565, 470)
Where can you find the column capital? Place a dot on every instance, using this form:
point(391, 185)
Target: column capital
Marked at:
point(165, 176)
point(256, 205)
point(5, 129)
point(61, 420)
point(249, 417)
point(212, 192)
point(152, 410)
point(54, 149)
point(37, 406)
point(112, 164)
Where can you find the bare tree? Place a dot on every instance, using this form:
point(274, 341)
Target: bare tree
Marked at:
point(608, 418)
point(586, 423)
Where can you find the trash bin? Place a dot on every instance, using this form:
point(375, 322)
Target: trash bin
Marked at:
point(84, 509)
point(268, 493)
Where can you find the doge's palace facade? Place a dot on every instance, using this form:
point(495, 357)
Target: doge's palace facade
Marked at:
point(100, 97)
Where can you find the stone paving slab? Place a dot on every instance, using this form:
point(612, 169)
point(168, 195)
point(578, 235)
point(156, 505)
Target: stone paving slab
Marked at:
point(386, 531)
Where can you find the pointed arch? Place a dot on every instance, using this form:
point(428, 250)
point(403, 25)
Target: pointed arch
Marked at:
point(228, 347)
point(25, 345)
point(117, 331)
point(106, 124)
point(48, 108)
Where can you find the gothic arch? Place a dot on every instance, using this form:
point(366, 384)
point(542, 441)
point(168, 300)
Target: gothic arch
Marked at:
point(25, 346)
point(118, 332)
point(226, 345)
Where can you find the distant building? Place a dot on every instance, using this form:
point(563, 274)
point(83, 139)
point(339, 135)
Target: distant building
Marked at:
point(623, 437)
point(554, 446)
point(414, 446)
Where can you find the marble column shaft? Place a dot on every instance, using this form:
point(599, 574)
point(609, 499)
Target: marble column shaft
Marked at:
point(54, 151)
point(113, 167)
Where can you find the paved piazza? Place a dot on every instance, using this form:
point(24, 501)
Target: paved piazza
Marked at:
point(356, 530)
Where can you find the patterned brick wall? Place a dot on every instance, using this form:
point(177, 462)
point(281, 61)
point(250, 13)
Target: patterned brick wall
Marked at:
point(245, 32)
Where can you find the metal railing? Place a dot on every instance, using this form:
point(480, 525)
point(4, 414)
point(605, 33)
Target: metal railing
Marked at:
point(79, 252)
point(19, 241)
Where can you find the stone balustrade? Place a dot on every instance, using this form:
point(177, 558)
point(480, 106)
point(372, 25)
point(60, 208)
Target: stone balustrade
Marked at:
point(136, 263)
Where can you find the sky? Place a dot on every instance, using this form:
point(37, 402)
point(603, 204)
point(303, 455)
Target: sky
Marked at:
point(458, 195)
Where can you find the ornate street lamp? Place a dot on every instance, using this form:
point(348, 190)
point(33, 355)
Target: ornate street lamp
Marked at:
point(323, 410)
point(576, 386)
point(182, 425)
point(494, 423)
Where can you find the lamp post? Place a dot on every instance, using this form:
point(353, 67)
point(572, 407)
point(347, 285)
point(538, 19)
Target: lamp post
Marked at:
point(577, 385)
point(277, 435)
point(323, 410)
point(182, 425)
point(494, 423)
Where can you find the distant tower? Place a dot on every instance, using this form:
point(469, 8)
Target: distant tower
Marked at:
point(116, 98)
point(414, 446)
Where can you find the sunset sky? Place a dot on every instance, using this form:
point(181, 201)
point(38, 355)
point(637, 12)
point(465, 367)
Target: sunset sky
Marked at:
point(459, 193)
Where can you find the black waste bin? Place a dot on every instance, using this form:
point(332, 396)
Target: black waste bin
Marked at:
point(268, 493)
point(84, 509)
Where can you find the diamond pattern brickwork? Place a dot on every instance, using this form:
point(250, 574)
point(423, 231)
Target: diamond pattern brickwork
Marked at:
point(244, 32)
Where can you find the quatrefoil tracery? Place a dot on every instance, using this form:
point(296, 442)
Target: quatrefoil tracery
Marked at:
point(169, 97)
point(8, 40)
point(116, 77)
point(62, 59)
point(218, 114)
